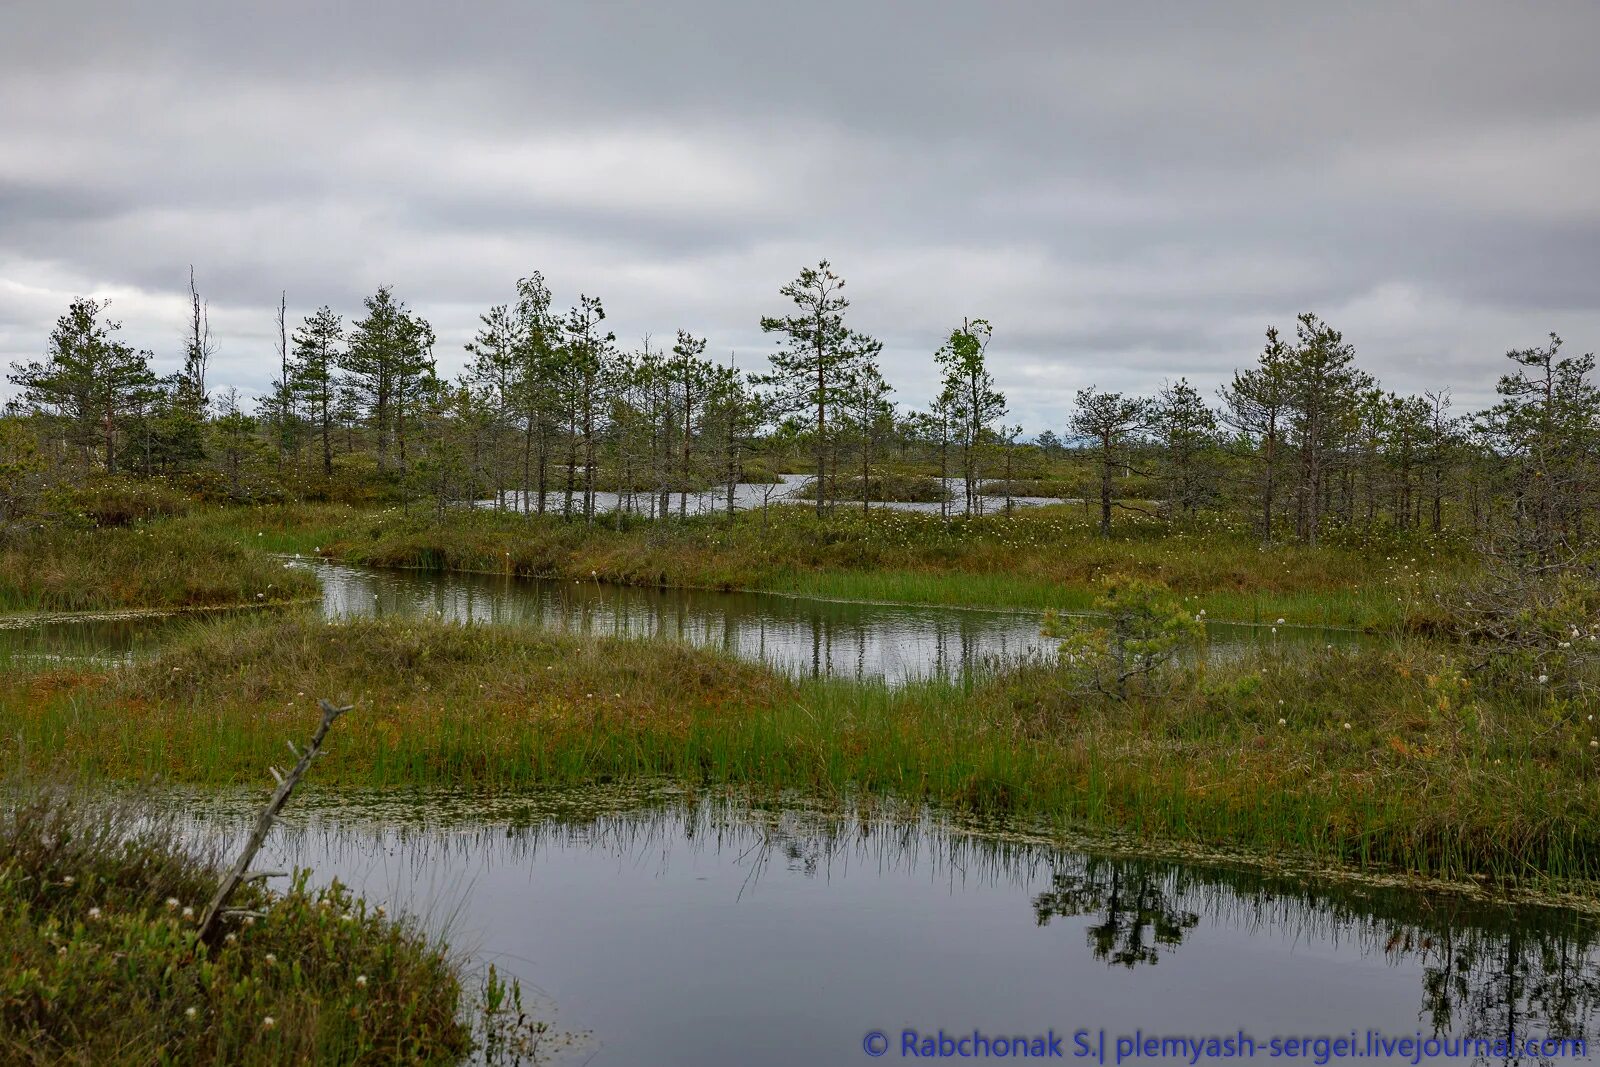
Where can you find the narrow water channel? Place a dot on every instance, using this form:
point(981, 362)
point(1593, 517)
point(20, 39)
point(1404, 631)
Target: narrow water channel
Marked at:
point(805, 636)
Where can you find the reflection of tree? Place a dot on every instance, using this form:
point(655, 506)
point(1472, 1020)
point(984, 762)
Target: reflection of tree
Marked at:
point(1488, 971)
point(1485, 969)
point(1517, 981)
point(1137, 915)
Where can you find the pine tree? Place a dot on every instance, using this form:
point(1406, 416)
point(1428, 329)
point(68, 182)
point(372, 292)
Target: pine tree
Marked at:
point(282, 405)
point(180, 403)
point(1443, 445)
point(387, 361)
point(1323, 389)
point(93, 384)
point(1407, 424)
point(587, 361)
point(867, 406)
point(811, 367)
point(314, 378)
point(1256, 406)
point(733, 418)
point(1109, 421)
point(534, 380)
point(1185, 430)
point(1548, 424)
point(691, 375)
point(493, 373)
point(235, 432)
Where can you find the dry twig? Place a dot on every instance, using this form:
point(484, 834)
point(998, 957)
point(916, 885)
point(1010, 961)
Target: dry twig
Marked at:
point(258, 836)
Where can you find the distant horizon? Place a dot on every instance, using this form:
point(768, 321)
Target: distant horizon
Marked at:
point(756, 361)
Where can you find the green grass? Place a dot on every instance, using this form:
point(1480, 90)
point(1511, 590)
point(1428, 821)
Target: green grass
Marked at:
point(1047, 487)
point(99, 900)
point(1430, 775)
point(1033, 559)
point(1354, 607)
point(848, 488)
point(163, 565)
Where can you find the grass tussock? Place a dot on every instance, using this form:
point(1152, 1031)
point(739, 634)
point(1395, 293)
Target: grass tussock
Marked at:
point(157, 565)
point(900, 488)
point(98, 909)
point(1383, 757)
point(1036, 487)
point(117, 500)
point(1036, 558)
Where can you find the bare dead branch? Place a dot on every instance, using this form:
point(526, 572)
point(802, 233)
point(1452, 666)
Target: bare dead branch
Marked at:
point(258, 836)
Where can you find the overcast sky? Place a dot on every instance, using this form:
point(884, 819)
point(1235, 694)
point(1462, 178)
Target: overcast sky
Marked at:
point(1129, 192)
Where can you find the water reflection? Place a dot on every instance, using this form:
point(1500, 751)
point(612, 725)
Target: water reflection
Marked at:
point(93, 639)
point(1484, 971)
point(1135, 916)
point(892, 643)
point(747, 496)
point(801, 635)
point(682, 931)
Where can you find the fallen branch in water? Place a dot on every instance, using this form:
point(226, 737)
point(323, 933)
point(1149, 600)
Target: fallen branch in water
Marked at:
point(258, 836)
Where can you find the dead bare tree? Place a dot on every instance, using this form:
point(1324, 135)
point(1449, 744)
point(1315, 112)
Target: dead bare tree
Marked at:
point(236, 876)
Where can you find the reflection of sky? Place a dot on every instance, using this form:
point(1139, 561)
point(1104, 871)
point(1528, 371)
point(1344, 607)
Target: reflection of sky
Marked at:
point(803, 635)
point(704, 937)
point(750, 496)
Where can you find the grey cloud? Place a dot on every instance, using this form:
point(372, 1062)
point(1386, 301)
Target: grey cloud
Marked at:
point(1131, 192)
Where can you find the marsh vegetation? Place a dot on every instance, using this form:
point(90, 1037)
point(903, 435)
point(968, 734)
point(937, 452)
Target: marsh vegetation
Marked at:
point(100, 906)
point(1449, 733)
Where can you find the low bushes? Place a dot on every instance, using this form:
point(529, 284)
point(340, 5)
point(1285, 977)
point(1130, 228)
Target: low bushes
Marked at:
point(160, 565)
point(98, 910)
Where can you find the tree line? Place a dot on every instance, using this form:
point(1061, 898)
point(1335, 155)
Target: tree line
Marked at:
point(550, 412)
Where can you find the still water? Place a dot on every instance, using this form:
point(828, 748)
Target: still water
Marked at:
point(752, 496)
point(802, 635)
point(660, 929)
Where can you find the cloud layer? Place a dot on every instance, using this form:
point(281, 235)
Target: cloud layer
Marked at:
point(1130, 192)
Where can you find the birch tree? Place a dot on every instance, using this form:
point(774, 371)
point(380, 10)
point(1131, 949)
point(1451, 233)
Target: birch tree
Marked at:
point(974, 401)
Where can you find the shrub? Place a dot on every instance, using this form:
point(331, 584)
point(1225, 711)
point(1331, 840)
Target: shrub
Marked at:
point(98, 923)
point(22, 475)
point(1531, 625)
point(897, 488)
point(119, 500)
point(1145, 630)
point(98, 908)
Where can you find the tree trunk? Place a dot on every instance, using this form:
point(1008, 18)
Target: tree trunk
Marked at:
point(1105, 486)
point(822, 429)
